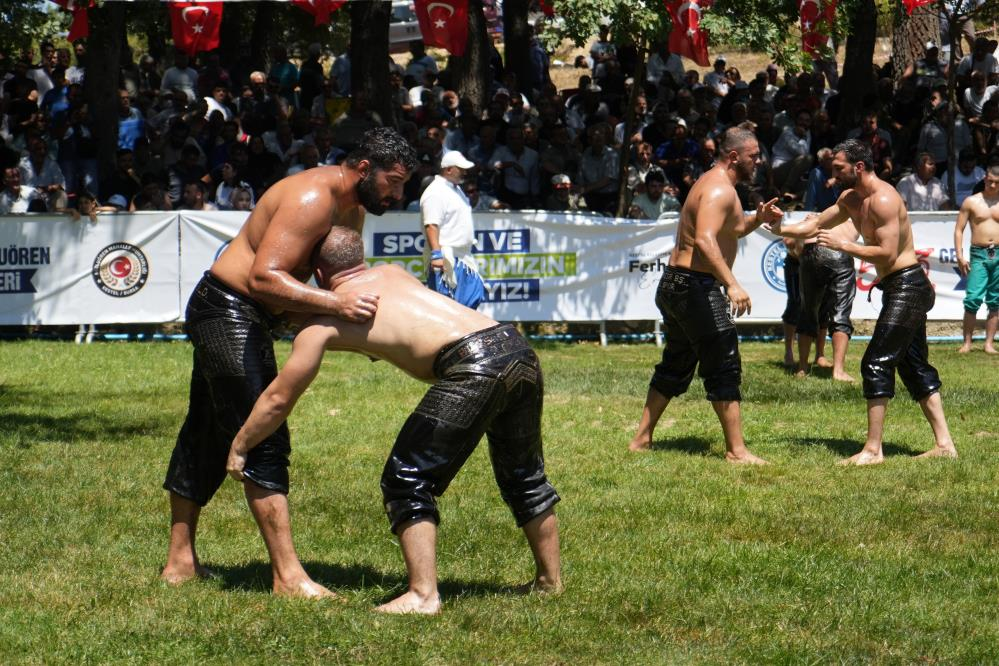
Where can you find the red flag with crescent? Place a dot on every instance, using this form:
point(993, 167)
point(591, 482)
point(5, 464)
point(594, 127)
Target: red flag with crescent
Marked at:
point(80, 27)
point(546, 7)
point(817, 18)
point(196, 25)
point(687, 38)
point(321, 9)
point(444, 23)
point(911, 5)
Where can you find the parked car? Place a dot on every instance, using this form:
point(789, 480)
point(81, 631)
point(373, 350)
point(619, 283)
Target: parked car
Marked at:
point(403, 26)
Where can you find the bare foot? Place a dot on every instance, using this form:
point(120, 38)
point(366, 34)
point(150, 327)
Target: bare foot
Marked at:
point(965, 348)
point(745, 458)
point(991, 350)
point(823, 362)
point(842, 377)
point(305, 589)
point(540, 586)
point(638, 444)
point(940, 452)
point(864, 458)
point(801, 374)
point(175, 575)
point(412, 603)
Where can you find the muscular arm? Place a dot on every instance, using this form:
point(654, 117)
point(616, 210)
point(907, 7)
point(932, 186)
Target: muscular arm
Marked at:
point(712, 213)
point(809, 228)
point(278, 399)
point(294, 230)
point(884, 251)
point(962, 221)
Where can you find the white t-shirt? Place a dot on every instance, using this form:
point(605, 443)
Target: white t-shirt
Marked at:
point(445, 205)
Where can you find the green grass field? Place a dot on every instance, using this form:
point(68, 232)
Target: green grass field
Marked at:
point(669, 557)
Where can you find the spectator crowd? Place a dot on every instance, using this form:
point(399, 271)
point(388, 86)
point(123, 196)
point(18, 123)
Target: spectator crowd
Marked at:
point(202, 134)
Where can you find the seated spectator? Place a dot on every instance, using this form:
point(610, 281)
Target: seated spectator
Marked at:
point(696, 168)
point(220, 101)
point(131, 124)
point(465, 137)
point(15, 197)
point(976, 94)
point(599, 172)
point(152, 196)
point(308, 158)
point(282, 142)
point(187, 170)
point(674, 155)
point(655, 201)
point(480, 201)
point(980, 59)
point(263, 168)
point(181, 77)
point(229, 183)
point(717, 82)
point(194, 197)
point(125, 181)
point(822, 191)
point(88, 206)
point(985, 130)
point(41, 172)
point(640, 169)
point(350, 127)
point(922, 190)
point(420, 62)
point(562, 197)
point(966, 176)
point(933, 135)
point(517, 166)
point(285, 73)
point(242, 199)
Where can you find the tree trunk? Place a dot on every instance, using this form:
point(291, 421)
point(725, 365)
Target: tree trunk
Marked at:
point(857, 81)
point(910, 36)
point(517, 41)
point(231, 31)
point(471, 71)
point(263, 24)
point(369, 56)
point(629, 129)
point(100, 87)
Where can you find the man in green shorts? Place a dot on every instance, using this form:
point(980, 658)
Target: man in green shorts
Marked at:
point(982, 210)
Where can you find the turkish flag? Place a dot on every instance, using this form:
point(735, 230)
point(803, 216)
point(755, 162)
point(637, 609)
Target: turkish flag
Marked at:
point(686, 38)
point(910, 5)
point(546, 7)
point(80, 27)
point(816, 24)
point(196, 25)
point(444, 23)
point(321, 9)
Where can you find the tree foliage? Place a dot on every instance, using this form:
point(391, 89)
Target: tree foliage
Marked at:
point(24, 23)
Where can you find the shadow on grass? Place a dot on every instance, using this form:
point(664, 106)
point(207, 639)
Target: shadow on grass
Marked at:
point(695, 446)
point(256, 577)
point(848, 447)
point(26, 430)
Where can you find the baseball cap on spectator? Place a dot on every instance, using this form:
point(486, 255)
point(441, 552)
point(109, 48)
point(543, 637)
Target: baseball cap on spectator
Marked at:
point(454, 158)
point(561, 180)
point(594, 88)
point(118, 201)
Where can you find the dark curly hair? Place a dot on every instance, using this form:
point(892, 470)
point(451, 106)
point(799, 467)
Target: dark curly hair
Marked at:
point(384, 148)
point(856, 151)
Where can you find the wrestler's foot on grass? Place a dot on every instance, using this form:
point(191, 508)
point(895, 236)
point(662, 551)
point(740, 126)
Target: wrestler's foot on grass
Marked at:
point(177, 574)
point(989, 349)
point(541, 585)
point(823, 362)
point(940, 452)
point(842, 376)
point(744, 458)
point(640, 444)
point(965, 348)
point(865, 457)
point(304, 589)
point(412, 603)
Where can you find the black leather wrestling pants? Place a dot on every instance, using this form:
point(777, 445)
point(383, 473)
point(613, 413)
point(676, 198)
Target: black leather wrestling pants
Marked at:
point(700, 334)
point(828, 287)
point(233, 364)
point(489, 382)
point(792, 286)
point(899, 339)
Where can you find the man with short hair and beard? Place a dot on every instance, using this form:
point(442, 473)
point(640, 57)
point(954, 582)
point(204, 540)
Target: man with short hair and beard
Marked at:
point(698, 316)
point(231, 319)
point(877, 212)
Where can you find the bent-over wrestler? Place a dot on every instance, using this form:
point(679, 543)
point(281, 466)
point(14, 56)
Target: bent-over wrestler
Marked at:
point(876, 210)
point(698, 316)
point(231, 319)
point(486, 379)
point(982, 210)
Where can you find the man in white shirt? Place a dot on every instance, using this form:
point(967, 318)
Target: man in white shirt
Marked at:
point(718, 81)
point(518, 168)
point(976, 94)
point(654, 202)
point(41, 172)
point(922, 190)
point(15, 197)
point(447, 224)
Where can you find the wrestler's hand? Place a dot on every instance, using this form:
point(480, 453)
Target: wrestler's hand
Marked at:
point(830, 240)
point(963, 266)
point(437, 264)
point(357, 307)
point(236, 462)
point(739, 300)
point(768, 212)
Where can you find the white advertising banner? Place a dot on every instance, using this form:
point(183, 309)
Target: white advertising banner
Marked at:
point(120, 269)
point(538, 266)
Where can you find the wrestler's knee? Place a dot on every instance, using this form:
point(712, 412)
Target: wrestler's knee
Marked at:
point(879, 378)
point(526, 506)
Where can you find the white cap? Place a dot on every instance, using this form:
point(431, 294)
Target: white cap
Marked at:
point(454, 158)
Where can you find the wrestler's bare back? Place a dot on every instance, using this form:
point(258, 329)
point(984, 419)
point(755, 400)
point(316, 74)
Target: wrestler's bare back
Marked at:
point(411, 325)
point(984, 220)
point(889, 204)
point(714, 190)
point(311, 201)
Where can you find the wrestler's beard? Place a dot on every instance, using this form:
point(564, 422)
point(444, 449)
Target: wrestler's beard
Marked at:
point(847, 181)
point(747, 173)
point(367, 194)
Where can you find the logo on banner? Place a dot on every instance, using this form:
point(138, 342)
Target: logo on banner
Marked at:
point(772, 265)
point(120, 270)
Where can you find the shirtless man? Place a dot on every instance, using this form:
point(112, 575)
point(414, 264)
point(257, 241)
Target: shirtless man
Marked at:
point(828, 285)
point(485, 379)
point(982, 210)
point(699, 318)
point(231, 318)
point(875, 209)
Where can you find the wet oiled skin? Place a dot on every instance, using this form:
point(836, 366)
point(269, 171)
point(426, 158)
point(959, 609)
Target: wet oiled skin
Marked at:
point(859, 208)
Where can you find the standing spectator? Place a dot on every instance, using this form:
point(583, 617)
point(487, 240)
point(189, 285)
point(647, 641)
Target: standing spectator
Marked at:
point(540, 65)
point(15, 197)
point(655, 201)
point(219, 101)
point(124, 181)
point(194, 197)
point(792, 157)
point(229, 183)
point(447, 223)
point(74, 73)
point(42, 74)
point(131, 124)
point(878, 140)
point(602, 50)
point(933, 135)
point(310, 77)
point(517, 166)
point(674, 155)
point(599, 172)
point(823, 191)
point(181, 77)
point(285, 73)
point(340, 73)
point(640, 169)
point(979, 60)
point(983, 269)
point(41, 172)
point(185, 171)
point(922, 190)
point(718, 82)
point(420, 62)
point(663, 62)
point(351, 127)
point(148, 79)
point(966, 176)
point(152, 196)
point(928, 71)
point(77, 149)
point(977, 94)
